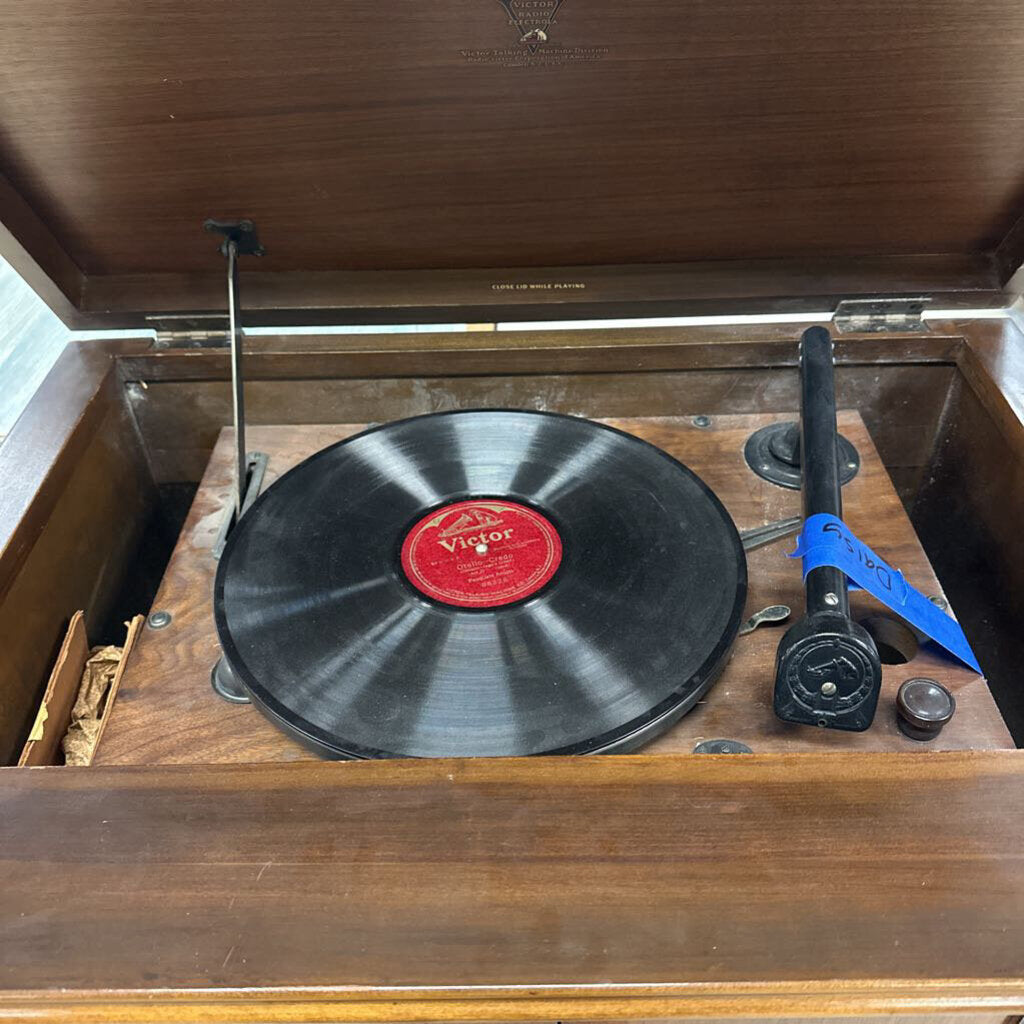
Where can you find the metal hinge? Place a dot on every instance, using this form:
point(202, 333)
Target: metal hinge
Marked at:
point(873, 316)
point(198, 331)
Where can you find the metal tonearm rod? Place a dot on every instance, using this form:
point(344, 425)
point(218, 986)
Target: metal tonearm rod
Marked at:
point(240, 239)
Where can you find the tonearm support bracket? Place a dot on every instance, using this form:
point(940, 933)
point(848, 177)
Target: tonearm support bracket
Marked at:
point(240, 233)
point(827, 670)
point(240, 239)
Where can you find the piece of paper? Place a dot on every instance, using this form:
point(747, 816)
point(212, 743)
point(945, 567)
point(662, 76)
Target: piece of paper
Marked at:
point(38, 726)
point(87, 714)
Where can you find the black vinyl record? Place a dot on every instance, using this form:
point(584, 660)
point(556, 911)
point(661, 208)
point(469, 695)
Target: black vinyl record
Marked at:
point(481, 583)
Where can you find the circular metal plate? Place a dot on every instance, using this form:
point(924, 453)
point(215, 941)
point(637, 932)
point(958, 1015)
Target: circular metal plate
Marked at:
point(722, 747)
point(761, 454)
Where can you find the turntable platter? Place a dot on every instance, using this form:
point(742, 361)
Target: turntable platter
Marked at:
point(481, 583)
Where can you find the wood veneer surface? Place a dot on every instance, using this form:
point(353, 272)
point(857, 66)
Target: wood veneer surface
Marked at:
point(167, 713)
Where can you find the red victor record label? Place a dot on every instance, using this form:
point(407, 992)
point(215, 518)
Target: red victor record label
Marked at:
point(481, 554)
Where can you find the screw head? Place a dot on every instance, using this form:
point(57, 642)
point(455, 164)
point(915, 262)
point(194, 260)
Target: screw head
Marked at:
point(159, 619)
point(702, 421)
point(831, 599)
point(828, 689)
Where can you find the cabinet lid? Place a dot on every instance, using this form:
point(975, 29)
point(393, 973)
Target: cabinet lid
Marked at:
point(510, 159)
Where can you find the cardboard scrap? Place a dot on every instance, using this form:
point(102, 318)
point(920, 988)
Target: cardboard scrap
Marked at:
point(78, 697)
point(43, 746)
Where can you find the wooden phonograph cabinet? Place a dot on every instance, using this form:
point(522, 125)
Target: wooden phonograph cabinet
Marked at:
point(847, 165)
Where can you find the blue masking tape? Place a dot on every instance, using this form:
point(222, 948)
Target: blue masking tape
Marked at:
point(826, 540)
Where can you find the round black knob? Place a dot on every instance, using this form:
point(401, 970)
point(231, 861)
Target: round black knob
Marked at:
point(923, 707)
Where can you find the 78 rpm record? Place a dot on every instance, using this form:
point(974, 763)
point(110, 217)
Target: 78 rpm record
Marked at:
point(481, 583)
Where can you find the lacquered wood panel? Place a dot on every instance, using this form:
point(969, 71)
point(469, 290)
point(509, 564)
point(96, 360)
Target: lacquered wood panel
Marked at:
point(364, 138)
point(536, 889)
point(425, 138)
point(900, 404)
point(700, 288)
point(75, 492)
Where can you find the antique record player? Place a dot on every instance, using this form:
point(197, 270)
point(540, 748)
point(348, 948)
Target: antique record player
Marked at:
point(462, 673)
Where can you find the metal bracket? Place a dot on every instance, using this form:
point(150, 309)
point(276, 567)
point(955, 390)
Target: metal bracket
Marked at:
point(197, 330)
point(240, 232)
point(875, 316)
point(190, 339)
point(256, 468)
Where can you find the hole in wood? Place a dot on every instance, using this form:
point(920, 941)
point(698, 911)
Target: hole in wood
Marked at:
point(895, 641)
